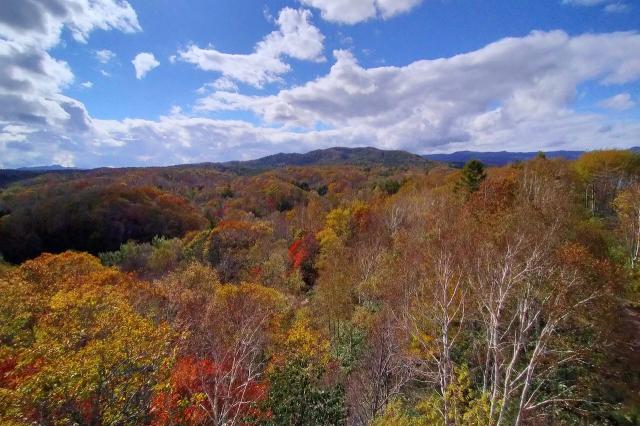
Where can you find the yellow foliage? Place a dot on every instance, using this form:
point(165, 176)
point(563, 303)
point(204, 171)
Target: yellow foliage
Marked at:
point(303, 341)
point(339, 221)
point(606, 161)
point(194, 277)
point(329, 242)
point(466, 407)
point(259, 295)
point(247, 303)
point(78, 343)
point(396, 415)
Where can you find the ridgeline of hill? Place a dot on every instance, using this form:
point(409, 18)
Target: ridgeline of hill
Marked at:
point(364, 157)
point(336, 156)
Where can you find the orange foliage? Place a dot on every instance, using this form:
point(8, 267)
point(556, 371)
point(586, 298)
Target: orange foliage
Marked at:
point(192, 399)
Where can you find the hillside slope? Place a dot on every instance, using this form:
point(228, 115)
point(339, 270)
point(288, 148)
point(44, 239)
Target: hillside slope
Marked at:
point(336, 156)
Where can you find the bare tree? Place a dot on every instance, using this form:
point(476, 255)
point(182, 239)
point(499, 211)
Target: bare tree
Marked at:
point(381, 375)
point(522, 299)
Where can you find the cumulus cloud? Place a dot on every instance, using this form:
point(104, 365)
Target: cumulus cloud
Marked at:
point(32, 107)
point(30, 80)
point(619, 102)
point(176, 139)
point(143, 63)
point(468, 98)
point(87, 84)
point(39, 23)
point(104, 56)
point(354, 11)
point(296, 38)
point(225, 84)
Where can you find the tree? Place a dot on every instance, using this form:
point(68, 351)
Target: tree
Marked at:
point(604, 174)
point(91, 217)
point(472, 175)
point(219, 377)
point(382, 371)
point(302, 255)
point(627, 206)
point(194, 398)
point(81, 353)
point(297, 398)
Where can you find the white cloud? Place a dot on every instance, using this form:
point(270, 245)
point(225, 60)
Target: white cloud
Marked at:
point(390, 8)
point(224, 83)
point(503, 87)
point(38, 23)
point(87, 84)
point(514, 94)
point(143, 63)
point(619, 102)
point(354, 11)
point(296, 38)
point(31, 81)
point(104, 56)
point(617, 8)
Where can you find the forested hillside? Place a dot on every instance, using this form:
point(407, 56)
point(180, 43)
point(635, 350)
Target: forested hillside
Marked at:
point(374, 294)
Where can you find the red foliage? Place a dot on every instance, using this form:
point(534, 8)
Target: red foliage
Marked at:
point(297, 253)
point(197, 388)
point(12, 374)
point(302, 254)
point(88, 410)
point(7, 366)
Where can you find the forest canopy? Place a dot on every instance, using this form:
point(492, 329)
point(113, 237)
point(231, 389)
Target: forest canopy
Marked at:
point(331, 294)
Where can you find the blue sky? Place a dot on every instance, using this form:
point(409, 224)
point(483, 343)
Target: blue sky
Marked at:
point(237, 79)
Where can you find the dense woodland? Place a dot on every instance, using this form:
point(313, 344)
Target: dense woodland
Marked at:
point(324, 295)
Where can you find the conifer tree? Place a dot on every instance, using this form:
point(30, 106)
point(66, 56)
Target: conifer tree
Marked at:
point(473, 174)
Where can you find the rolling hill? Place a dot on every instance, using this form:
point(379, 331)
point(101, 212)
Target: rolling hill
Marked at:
point(336, 156)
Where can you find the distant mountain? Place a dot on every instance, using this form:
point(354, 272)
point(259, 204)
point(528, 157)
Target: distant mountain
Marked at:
point(327, 157)
point(499, 158)
point(51, 168)
point(335, 156)
point(9, 176)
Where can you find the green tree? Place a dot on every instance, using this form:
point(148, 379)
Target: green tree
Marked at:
point(473, 173)
point(390, 186)
point(296, 397)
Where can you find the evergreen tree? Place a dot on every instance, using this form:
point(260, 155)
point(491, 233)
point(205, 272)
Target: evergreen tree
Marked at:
point(297, 398)
point(473, 173)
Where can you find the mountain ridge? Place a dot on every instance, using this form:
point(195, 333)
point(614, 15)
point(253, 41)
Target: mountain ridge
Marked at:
point(364, 156)
point(360, 156)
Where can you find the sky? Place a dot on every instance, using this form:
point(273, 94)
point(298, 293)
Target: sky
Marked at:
point(92, 83)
